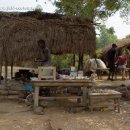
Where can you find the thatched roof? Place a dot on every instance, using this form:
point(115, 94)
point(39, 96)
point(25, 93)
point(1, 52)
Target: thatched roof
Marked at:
point(19, 33)
point(120, 44)
point(123, 43)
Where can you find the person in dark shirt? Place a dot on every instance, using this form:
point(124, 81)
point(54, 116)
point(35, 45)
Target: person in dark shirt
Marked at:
point(45, 58)
point(111, 58)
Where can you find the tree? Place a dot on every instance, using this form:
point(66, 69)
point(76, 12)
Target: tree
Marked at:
point(96, 9)
point(39, 8)
point(128, 36)
point(106, 36)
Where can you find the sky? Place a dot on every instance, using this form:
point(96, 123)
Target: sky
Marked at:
point(121, 28)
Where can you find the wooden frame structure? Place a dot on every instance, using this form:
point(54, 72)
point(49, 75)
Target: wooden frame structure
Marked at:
point(96, 98)
point(65, 83)
point(47, 72)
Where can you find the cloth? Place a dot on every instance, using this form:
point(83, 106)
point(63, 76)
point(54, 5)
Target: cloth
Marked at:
point(121, 60)
point(93, 64)
point(45, 55)
point(122, 66)
point(45, 58)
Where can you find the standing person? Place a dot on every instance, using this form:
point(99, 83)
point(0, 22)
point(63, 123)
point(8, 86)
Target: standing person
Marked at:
point(122, 62)
point(111, 58)
point(45, 58)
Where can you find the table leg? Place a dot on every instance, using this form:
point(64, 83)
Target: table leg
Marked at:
point(36, 97)
point(115, 74)
point(115, 103)
point(100, 74)
point(85, 96)
point(118, 100)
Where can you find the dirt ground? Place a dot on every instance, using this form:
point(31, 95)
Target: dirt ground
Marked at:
point(16, 115)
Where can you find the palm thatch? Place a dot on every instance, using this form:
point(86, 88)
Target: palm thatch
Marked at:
point(19, 33)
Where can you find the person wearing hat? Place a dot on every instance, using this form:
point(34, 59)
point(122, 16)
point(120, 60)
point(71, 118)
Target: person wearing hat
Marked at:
point(111, 57)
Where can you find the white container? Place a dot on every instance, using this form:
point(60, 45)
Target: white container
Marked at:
point(80, 73)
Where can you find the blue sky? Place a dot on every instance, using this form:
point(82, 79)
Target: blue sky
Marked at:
point(115, 21)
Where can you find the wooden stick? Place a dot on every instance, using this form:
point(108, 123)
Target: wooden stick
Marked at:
point(12, 69)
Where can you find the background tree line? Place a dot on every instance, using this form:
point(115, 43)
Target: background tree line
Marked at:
point(97, 10)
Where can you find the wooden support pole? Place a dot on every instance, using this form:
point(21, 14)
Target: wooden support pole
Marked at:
point(80, 65)
point(1, 62)
point(73, 59)
point(36, 97)
point(12, 69)
point(6, 72)
point(85, 96)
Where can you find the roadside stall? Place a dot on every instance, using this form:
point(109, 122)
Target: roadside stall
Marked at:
point(48, 74)
point(91, 96)
point(63, 35)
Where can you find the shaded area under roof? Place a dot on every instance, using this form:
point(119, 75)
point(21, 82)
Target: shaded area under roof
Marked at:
point(19, 33)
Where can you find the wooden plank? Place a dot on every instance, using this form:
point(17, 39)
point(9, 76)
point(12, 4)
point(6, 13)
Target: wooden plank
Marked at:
point(36, 97)
point(65, 97)
point(56, 83)
point(47, 68)
point(85, 95)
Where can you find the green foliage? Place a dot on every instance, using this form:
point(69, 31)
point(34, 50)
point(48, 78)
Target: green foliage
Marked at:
point(128, 36)
point(39, 8)
point(106, 36)
point(62, 61)
point(127, 51)
point(97, 9)
point(98, 53)
point(66, 60)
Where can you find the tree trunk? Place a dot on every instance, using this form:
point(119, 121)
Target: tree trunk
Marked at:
point(12, 69)
point(74, 60)
point(6, 72)
point(80, 65)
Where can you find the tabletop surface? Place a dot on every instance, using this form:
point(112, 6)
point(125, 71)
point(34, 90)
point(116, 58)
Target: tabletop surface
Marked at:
point(61, 81)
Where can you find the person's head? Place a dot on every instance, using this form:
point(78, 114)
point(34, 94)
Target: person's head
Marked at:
point(41, 43)
point(114, 45)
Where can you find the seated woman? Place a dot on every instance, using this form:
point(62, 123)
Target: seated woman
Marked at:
point(122, 62)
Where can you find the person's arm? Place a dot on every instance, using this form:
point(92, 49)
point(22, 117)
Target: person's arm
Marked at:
point(38, 60)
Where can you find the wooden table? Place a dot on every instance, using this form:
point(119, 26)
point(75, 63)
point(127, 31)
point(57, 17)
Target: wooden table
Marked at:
point(65, 83)
point(95, 98)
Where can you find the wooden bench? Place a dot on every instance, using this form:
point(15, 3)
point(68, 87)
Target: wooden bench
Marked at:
point(96, 98)
point(127, 73)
